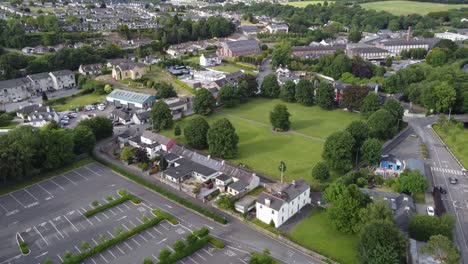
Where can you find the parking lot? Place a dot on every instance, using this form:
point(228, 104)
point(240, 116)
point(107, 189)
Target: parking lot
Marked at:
point(49, 217)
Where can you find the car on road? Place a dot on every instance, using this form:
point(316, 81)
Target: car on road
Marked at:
point(440, 189)
point(453, 180)
point(430, 211)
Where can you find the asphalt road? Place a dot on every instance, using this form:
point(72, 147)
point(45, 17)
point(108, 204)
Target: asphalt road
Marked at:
point(443, 165)
point(48, 215)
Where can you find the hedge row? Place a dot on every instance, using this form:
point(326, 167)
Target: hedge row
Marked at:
point(113, 241)
point(217, 243)
point(166, 216)
point(108, 205)
point(166, 193)
point(202, 239)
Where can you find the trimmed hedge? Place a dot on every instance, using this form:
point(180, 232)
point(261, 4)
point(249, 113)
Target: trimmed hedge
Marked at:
point(108, 205)
point(164, 192)
point(217, 243)
point(166, 216)
point(189, 248)
point(24, 247)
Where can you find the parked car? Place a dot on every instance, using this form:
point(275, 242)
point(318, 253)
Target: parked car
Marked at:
point(430, 211)
point(440, 189)
point(453, 180)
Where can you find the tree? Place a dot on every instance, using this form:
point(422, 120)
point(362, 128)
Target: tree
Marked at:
point(355, 36)
point(148, 261)
point(195, 133)
point(177, 130)
point(140, 156)
point(281, 55)
point(437, 57)
point(325, 96)
point(445, 96)
point(279, 118)
point(228, 96)
point(100, 125)
point(411, 181)
point(127, 154)
point(446, 44)
point(222, 139)
point(422, 227)
point(353, 96)
point(161, 116)
point(264, 258)
point(57, 147)
point(382, 124)
point(251, 82)
point(178, 246)
point(108, 88)
point(163, 164)
point(394, 107)
point(288, 92)
point(442, 249)
point(381, 242)
point(337, 151)
point(270, 87)
point(320, 171)
point(370, 104)
point(359, 131)
point(165, 90)
point(388, 61)
point(378, 210)
point(5, 119)
point(371, 151)
point(164, 255)
point(204, 102)
point(84, 140)
point(224, 202)
point(305, 92)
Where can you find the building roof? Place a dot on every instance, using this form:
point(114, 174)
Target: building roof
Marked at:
point(210, 55)
point(285, 195)
point(121, 114)
point(138, 98)
point(186, 166)
point(403, 41)
point(170, 156)
point(318, 48)
point(26, 110)
point(275, 202)
point(156, 137)
point(363, 50)
point(242, 45)
point(223, 177)
point(14, 82)
point(130, 65)
point(39, 76)
point(238, 185)
point(145, 115)
point(62, 73)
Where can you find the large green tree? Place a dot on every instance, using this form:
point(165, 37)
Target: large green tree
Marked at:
point(380, 242)
point(325, 96)
point(422, 227)
point(370, 104)
point(251, 84)
point(57, 147)
point(378, 210)
point(164, 90)
point(281, 55)
point(100, 125)
point(442, 249)
point(338, 151)
point(353, 96)
point(228, 96)
point(382, 124)
point(279, 117)
point(222, 139)
point(270, 87)
point(321, 171)
point(288, 92)
point(359, 131)
point(445, 96)
point(84, 140)
point(371, 151)
point(394, 107)
point(305, 92)
point(204, 102)
point(161, 116)
point(411, 181)
point(195, 133)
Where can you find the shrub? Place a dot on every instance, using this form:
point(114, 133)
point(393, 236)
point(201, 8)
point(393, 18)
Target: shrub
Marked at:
point(143, 166)
point(135, 200)
point(422, 227)
point(164, 255)
point(179, 245)
point(48, 261)
point(84, 245)
point(102, 238)
point(123, 192)
point(118, 230)
point(145, 218)
point(24, 247)
point(110, 204)
point(67, 254)
point(217, 243)
point(191, 238)
point(109, 198)
point(148, 261)
point(202, 232)
point(95, 203)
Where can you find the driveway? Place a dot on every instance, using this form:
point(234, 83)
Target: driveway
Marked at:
point(265, 69)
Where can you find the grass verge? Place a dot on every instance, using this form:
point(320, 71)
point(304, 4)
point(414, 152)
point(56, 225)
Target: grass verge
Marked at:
point(115, 202)
point(167, 216)
point(19, 185)
point(24, 248)
point(217, 243)
point(10, 125)
point(164, 192)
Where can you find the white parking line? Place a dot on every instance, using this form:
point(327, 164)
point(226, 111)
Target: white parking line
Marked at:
point(57, 184)
point(78, 249)
point(243, 261)
point(150, 234)
point(139, 220)
point(112, 254)
point(207, 252)
point(128, 245)
point(240, 250)
point(155, 257)
point(126, 227)
point(120, 209)
point(39, 233)
point(146, 240)
point(136, 242)
point(87, 219)
point(112, 211)
point(3, 208)
point(61, 260)
point(133, 224)
point(81, 175)
point(45, 253)
point(30, 194)
point(121, 251)
point(16, 200)
point(103, 258)
point(63, 175)
point(45, 190)
point(105, 215)
point(108, 232)
point(95, 216)
point(163, 226)
point(74, 227)
point(92, 239)
point(157, 230)
point(94, 261)
point(126, 206)
point(56, 229)
point(86, 167)
point(200, 256)
point(192, 260)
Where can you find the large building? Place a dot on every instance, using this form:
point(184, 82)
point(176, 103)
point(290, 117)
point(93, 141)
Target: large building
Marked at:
point(130, 99)
point(315, 52)
point(128, 70)
point(239, 48)
point(208, 60)
point(63, 79)
point(451, 36)
point(396, 46)
point(15, 90)
point(280, 204)
point(41, 82)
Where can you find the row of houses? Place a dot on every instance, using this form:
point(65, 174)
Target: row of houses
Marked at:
point(18, 89)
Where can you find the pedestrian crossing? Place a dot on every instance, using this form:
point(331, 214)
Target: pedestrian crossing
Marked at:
point(450, 171)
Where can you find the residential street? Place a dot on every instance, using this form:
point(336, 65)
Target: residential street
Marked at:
point(265, 69)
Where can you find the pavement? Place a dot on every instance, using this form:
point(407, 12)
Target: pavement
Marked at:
point(49, 216)
point(442, 165)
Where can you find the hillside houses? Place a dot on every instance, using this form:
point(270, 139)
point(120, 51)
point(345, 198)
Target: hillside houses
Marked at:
point(238, 48)
point(127, 69)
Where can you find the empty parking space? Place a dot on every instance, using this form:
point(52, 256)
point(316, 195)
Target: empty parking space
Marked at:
point(9, 203)
point(24, 198)
point(40, 193)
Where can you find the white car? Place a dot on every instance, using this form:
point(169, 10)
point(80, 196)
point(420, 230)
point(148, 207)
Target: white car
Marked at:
point(430, 211)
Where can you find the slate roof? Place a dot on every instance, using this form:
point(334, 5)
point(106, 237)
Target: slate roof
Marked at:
point(403, 41)
point(317, 48)
point(275, 202)
point(242, 45)
point(187, 166)
point(121, 114)
point(26, 110)
point(143, 115)
point(62, 73)
point(286, 195)
point(238, 185)
point(39, 76)
point(129, 96)
point(170, 156)
point(14, 82)
point(156, 137)
point(223, 177)
point(129, 65)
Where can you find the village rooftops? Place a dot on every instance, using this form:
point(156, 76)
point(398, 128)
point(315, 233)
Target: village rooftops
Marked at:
point(283, 193)
point(129, 96)
point(156, 137)
point(39, 76)
point(62, 73)
point(242, 45)
point(14, 82)
point(238, 185)
point(186, 166)
point(26, 110)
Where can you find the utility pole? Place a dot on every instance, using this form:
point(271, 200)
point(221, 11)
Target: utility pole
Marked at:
point(282, 168)
point(450, 113)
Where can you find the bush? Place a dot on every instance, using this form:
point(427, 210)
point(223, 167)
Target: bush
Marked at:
point(118, 230)
point(143, 166)
point(179, 245)
point(164, 192)
point(67, 254)
point(48, 261)
point(84, 245)
point(123, 192)
point(110, 204)
point(135, 200)
point(148, 261)
point(422, 227)
point(109, 198)
point(145, 218)
point(95, 203)
point(217, 243)
point(202, 232)
point(24, 247)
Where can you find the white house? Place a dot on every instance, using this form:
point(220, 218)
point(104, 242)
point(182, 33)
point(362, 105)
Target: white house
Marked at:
point(451, 36)
point(41, 82)
point(277, 28)
point(208, 60)
point(153, 143)
point(63, 79)
point(278, 206)
point(15, 90)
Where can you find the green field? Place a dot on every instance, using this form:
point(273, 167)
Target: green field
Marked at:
point(79, 101)
point(261, 150)
point(409, 7)
point(10, 125)
point(316, 233)
point(303, 3)
point(457, 140)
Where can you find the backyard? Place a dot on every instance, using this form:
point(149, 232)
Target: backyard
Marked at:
point(409, 7)
point(262, 150)
point(316, 233)
point(72, 103)
point(457, 140)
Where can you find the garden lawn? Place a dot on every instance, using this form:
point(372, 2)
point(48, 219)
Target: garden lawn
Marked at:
point(409, 7)
point(79, 101)
point(10, 125)
point(231, 68)
point(457, 140)
point(303, 3)
point(316, 233)
point(159, 75)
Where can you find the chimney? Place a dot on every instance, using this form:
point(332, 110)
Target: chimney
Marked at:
point(405, 198)
point(409, 35)
point(267, 202)
point(40, 105)
point(208, 157)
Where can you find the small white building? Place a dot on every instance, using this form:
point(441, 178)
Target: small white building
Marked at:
point(277, 28)
point(280, 205)
point(154, 143)
point(451, 36)
point(209, 60)
point(63, 79)
point(130, 99)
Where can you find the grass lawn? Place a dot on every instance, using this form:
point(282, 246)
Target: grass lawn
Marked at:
point(10, 125)
point(79, 101)
point(316, 233)
point(303, 3)
point(262, 151)
point(457, 140)
point(409, 7)
point(159, 75)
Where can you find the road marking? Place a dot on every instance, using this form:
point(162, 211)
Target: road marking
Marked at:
point(200, 256)
point(3, 208)
point(155, 257)
point(31, 194)
point(56, 229)
point(121, 218)
point(103, 258)
point(163, 226)
point(82, 226)
point(150, 234)
point(57, 184)
point(14, 223)
point(95, 216)
point(94, 261)
point(74, 227)
point(161, 241)
point(39, 233)
point(168, 205)
point(41, 254)
point(81, 175)
point(126, 206)
point(92, 239)
point(128, 245)
point(105, 215)
point(16, 200)
point(242, 261)
point(112, 211)
point(146, 240)
point(209, 227)
point(78, 249)
point(192, 260)
point(121, 251)
point(207, 252)
point(157, 230)
point(108, 232)
point(139, 220)
point(240, 250)
point(31, 205)
point(126, 227)
point(112, 254)
point(86, 167)
point(133, 224)
point(61, 260)
point(69, 179)
point(45, 190)
point(136, 242)
point(87, 219)
point(120, 209)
